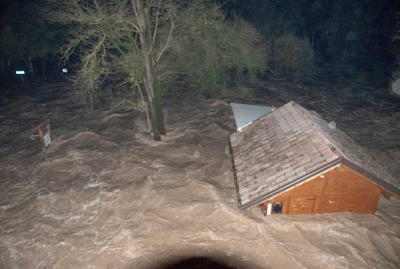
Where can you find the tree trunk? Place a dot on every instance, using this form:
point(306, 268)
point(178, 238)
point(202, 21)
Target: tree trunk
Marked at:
point(9, 61)
point(158, 107)
point(153, 95)
point(44, 60)
point(29, 64)
point(156, 88)
point(149, 87)
point(153, 119)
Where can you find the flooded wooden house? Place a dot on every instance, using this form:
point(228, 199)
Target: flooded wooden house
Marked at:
point(291, 161)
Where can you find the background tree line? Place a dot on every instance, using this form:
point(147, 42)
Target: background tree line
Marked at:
point(340, 32)
point(27, 40)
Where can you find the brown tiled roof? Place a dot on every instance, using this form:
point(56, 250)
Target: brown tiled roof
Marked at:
point(289, 145)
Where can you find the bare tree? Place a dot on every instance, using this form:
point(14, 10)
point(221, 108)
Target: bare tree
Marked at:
point(144, 41)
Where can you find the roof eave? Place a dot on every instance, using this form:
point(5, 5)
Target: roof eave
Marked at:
point(385, 185)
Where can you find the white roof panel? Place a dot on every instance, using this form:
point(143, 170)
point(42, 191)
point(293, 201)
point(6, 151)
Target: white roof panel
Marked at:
point(246, 114)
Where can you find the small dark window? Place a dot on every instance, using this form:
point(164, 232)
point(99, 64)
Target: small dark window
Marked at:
point(277, 208)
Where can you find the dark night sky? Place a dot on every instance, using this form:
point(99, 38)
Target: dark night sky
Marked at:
point(384, 28)
point(394, 4)
point(4, 4)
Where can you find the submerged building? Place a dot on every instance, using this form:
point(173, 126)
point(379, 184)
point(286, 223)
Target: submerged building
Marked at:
point(291, 161)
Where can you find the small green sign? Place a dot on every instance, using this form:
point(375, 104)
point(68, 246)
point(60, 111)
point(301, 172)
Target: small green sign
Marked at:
point(47, 140)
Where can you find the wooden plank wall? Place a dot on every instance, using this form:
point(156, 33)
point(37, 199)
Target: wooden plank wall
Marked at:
point(339, 190)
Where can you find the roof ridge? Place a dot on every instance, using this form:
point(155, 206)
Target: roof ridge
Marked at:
point(323, 134)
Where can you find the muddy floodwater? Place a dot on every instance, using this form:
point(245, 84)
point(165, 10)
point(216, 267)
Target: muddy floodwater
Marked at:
point(105, 195)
